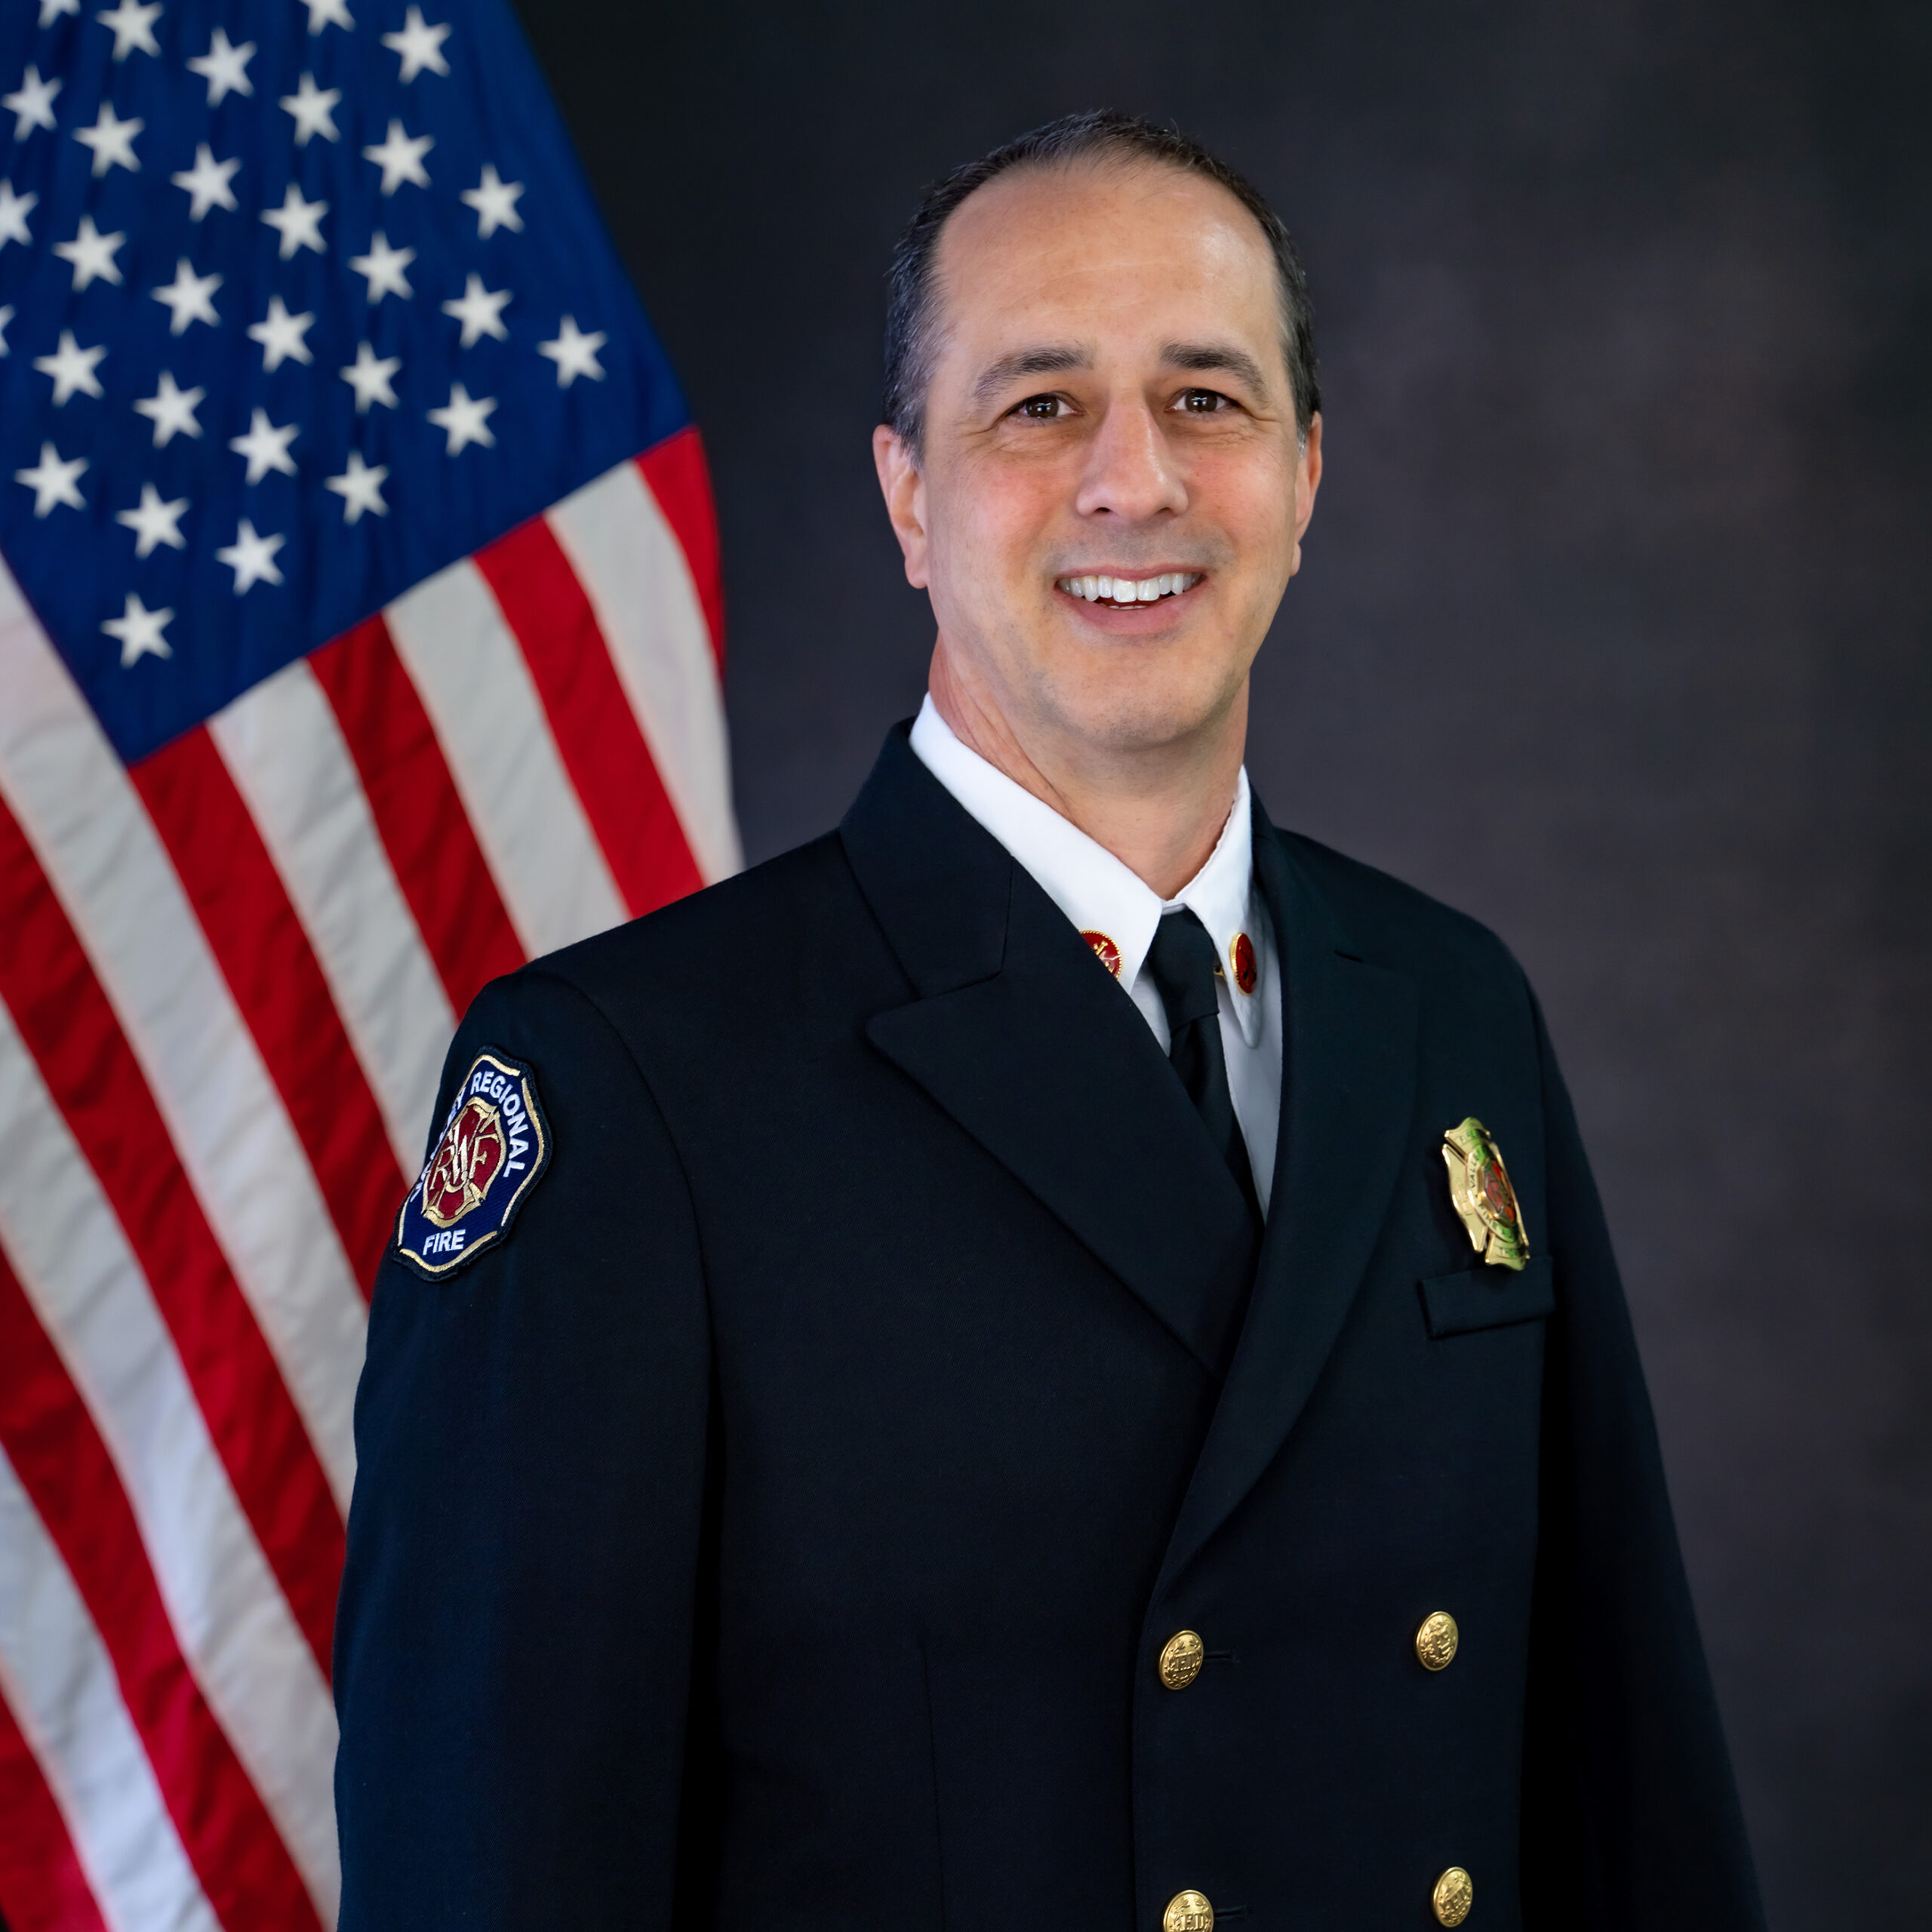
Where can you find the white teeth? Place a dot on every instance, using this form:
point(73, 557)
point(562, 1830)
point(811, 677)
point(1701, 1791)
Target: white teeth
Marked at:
point(1127, 590)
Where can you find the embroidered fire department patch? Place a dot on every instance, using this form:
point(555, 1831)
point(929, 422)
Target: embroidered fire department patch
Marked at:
point(493, 1147)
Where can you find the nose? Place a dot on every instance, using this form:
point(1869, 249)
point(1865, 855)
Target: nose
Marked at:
point(1130, 472)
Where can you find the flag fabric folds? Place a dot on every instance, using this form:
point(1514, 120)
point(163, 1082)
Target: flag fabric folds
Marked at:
point(360, 638)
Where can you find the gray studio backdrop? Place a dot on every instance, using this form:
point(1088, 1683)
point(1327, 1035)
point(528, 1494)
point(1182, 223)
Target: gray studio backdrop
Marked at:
point(1614, 631)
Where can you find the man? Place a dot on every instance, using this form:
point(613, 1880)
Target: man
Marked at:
point(994, 1370)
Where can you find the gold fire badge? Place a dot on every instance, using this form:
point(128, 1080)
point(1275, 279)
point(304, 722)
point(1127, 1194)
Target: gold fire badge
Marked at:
point(1479, 1189)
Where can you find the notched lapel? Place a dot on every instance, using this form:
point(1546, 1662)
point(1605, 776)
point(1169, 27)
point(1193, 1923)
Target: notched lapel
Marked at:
point(1042, 1059)
point(1348, 1089)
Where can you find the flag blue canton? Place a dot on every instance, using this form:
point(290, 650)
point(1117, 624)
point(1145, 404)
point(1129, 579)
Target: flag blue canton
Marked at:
point(301, 300)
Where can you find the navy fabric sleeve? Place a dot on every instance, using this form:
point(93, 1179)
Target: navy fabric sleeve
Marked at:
point(513, 1644)
point(1631, 1817)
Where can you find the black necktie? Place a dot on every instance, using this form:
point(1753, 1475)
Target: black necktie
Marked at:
point(1182, 961)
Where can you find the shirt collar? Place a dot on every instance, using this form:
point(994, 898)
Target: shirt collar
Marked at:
point(1112, 907)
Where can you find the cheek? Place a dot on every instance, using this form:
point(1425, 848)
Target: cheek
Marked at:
point(1250, 497)
point(998, 515)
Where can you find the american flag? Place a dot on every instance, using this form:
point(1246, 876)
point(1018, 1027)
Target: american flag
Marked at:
point(359, 639)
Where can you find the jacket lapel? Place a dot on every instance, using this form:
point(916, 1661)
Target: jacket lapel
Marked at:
point(1348, 1089)
point(1020, 1034)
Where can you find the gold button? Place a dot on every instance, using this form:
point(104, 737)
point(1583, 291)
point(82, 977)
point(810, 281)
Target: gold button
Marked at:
point(1453, 1897)
point(1435, 1644)
point(1180, 1662)
point(1189, 1911)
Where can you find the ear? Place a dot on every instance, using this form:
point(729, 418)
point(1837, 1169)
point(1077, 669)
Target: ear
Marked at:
point(904, 489)
point(1308, 480)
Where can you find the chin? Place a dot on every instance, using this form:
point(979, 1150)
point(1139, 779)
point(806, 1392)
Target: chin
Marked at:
point(1154, 717)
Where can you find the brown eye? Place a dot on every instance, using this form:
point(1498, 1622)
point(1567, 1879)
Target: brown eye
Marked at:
point(1040, 408)
point(1201, 402)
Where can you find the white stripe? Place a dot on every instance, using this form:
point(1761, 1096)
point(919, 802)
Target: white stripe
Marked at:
point(285, 751)
point(56, 1675)
point(632, 566)
point(466, 664)
point(230, 1617)
point(106, 863)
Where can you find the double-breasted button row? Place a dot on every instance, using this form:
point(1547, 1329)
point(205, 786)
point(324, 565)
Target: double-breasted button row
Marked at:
point(1179, 1664)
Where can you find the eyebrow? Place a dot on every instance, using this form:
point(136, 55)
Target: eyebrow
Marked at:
point(1047, 359)
point(1203, 358)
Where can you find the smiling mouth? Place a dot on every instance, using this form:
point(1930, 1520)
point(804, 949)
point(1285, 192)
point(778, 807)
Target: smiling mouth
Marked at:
point(1119, 593)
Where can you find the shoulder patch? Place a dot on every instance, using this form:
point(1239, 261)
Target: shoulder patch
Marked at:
point(493, 1148)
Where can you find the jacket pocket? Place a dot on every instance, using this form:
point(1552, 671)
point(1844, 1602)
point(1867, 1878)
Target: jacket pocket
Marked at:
point(1488, 1297)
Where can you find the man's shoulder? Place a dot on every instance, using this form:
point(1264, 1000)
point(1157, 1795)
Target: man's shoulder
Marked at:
point(729, 957)
point(1397, 924)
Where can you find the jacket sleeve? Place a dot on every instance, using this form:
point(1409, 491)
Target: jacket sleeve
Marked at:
point(1631, 1817)
point(513, 1644)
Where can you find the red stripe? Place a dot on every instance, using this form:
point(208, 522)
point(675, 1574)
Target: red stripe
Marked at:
point(272, 970)
point(42, 1888)
point(69, 1027)
point(679, 479)
point(418, 812)
point(64, 1466)
point(596, 731)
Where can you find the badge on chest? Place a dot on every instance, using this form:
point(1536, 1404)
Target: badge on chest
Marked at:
point(493, 1148)
point(1484, 1200)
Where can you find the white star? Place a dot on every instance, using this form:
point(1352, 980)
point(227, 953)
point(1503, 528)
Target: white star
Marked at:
point(251, 557)
point(400, 159)
point(495, 202)
point(574, 352)
point(280, 333)
point(326, 13)
point(360, 487)
point(32, 103)
point(140, 631)
point(14, 210)
point(420, 46)
point(384, 265)
point(299, 223)
point(72, 367)
point(50, 10)
point(6, 316)
point(188, 298)
point(54, 482)
point(111, 140)
point(265, 447)
point(466, 418)
point(152, 521)
point(369, 377)
point(312, 109)
point(133, 27)
point(91, 253)
point(207, 182)
point(224, 67)
point(171, 409)
point(479, 311)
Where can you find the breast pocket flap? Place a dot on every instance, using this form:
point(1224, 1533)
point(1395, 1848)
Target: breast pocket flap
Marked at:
point(1488, 1297)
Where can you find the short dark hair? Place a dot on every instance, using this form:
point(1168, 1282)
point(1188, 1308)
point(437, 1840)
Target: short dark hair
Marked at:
point(1101, 134)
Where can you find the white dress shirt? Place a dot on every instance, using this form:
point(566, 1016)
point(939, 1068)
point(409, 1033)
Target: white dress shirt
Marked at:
point(1107, 902)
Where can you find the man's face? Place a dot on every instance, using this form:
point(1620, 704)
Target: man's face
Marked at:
point(1110, 400)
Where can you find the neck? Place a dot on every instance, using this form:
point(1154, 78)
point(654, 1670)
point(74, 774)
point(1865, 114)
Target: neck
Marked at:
point(1159, 810)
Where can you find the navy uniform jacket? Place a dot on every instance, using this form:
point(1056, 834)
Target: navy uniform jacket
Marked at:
point(779, 1526)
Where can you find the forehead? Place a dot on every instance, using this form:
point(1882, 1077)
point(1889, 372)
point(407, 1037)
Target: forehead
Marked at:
point(1105, 253)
